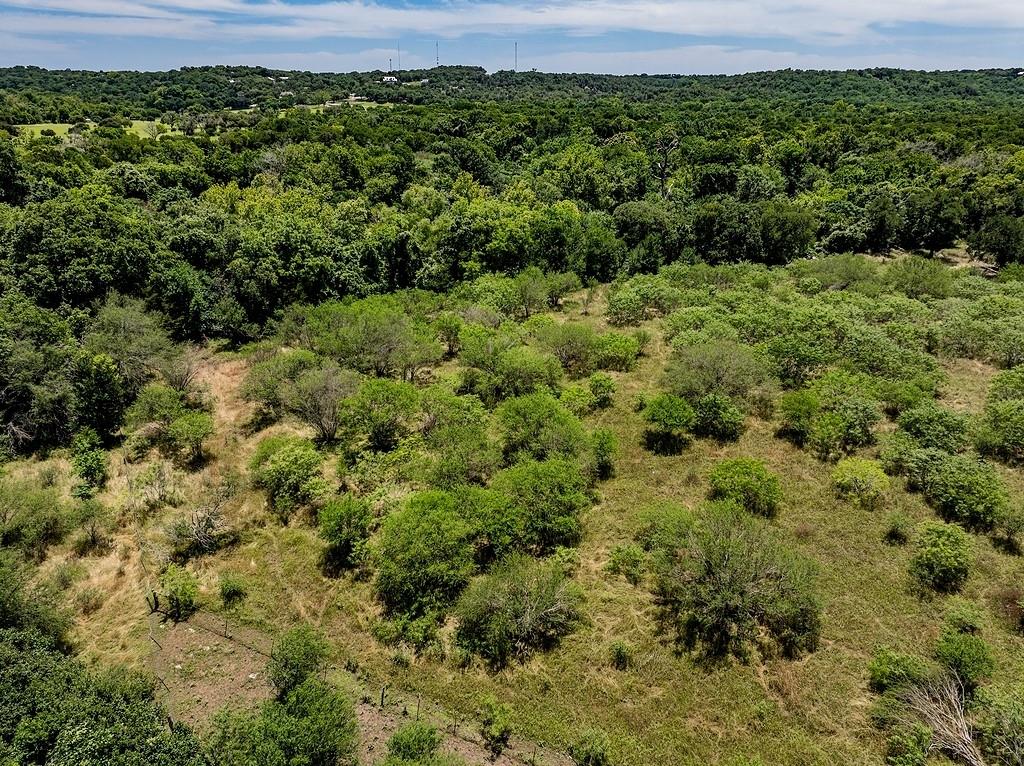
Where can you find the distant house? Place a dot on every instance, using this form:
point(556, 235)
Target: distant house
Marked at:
point(389, 80)
point(285, 93)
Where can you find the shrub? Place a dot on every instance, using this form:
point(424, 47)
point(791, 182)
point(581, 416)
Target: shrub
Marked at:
point(747, 483)
point(578, 400)
point(344, 527)
point(604, 447)
point(860, 481)
point(523, 370)
point(89, 461)
point(590, 749)
point(381, 410)
point(620, 654)
point(289, 469)
point(725, 368)
point(317, 397)
point(1001, 431)
point(920, 277)
point(548, 497)
point(425, 557)
point(299, 654)
point(537, 426)
point(1007, 385)
point(943, 558)
point(967, 655)
point(935, 427)
point(233, 589)
point(1000, 726)
point(843, 426)
point(613, 351)
point(186, 434)
point(898, 529)
point(734, 586)
point(414, 742)
point(627, 560)
point(180, 590)
point(602, 386)
point(717, 417)
point(523, 605)
point(668, 419)
point(495, 725)
point(798, 409)
point(314, 724)
point(968, 491)
point(889, 669)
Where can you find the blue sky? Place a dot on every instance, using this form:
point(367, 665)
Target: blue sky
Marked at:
point(615, 36)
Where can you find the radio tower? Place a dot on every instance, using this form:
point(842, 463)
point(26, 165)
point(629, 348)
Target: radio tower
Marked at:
point(516, 67)
point(437, 54)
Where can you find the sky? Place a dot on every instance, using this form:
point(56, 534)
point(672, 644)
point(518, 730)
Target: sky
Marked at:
point(607, 36)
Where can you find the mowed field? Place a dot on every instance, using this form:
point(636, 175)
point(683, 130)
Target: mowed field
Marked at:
point(665, 708)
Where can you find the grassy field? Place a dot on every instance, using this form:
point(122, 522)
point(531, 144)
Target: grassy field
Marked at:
point(664, 709)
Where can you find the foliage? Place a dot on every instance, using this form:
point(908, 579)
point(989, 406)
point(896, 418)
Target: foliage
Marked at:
point(716, 416)
point(965, 654)
point(943, 557)
point(495, 725)
point(312, 724)
point(748, 483)
point(860, 481)
point(289, 469)
point(668, 419)
point(590, 749)
point(298, 655)
point(935, 427)
point(521, 606)
point(345, 528)
point(968, 491)
point(537, 426)
point(424, 557)
point(179, 590)
point(733, 587)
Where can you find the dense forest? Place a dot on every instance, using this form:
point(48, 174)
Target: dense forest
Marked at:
point(524, 417)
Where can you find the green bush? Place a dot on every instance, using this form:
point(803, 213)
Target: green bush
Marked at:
point(186, 434)
point(716, 416)
point(747, 483)
point(495, 725)
point(935, 427)
point(345, 528)
point(620, 654)
point(523, 370)
point(537, 426)
point(604, 447)
point(233, 589)
point(968, 491)
point(590, 749)
point(381, 411)
point(627, 560)
point(1007, 385)
point(843, 426)
point(1001, 431)
point(424, 555)
point(289, 469)
point(602, 386)
point(724, 368)
point(580, 401)
point(180, 591)
point(549, 498)
point(668, 419)
point(314, 724)
point(899, 528)
point(613, 351)
point(943, 557)
point(967, 655)
point(798, 410)
point(414, 742)
point(734, 587)
point(920, 277)
point(889, 669)
point(522, 606)
point(299, 654)
point(860, 481)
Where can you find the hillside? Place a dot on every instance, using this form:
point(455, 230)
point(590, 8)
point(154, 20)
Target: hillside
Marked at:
point(678, 425)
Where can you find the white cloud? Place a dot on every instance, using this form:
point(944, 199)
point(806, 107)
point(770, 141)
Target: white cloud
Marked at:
point(818, 21)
